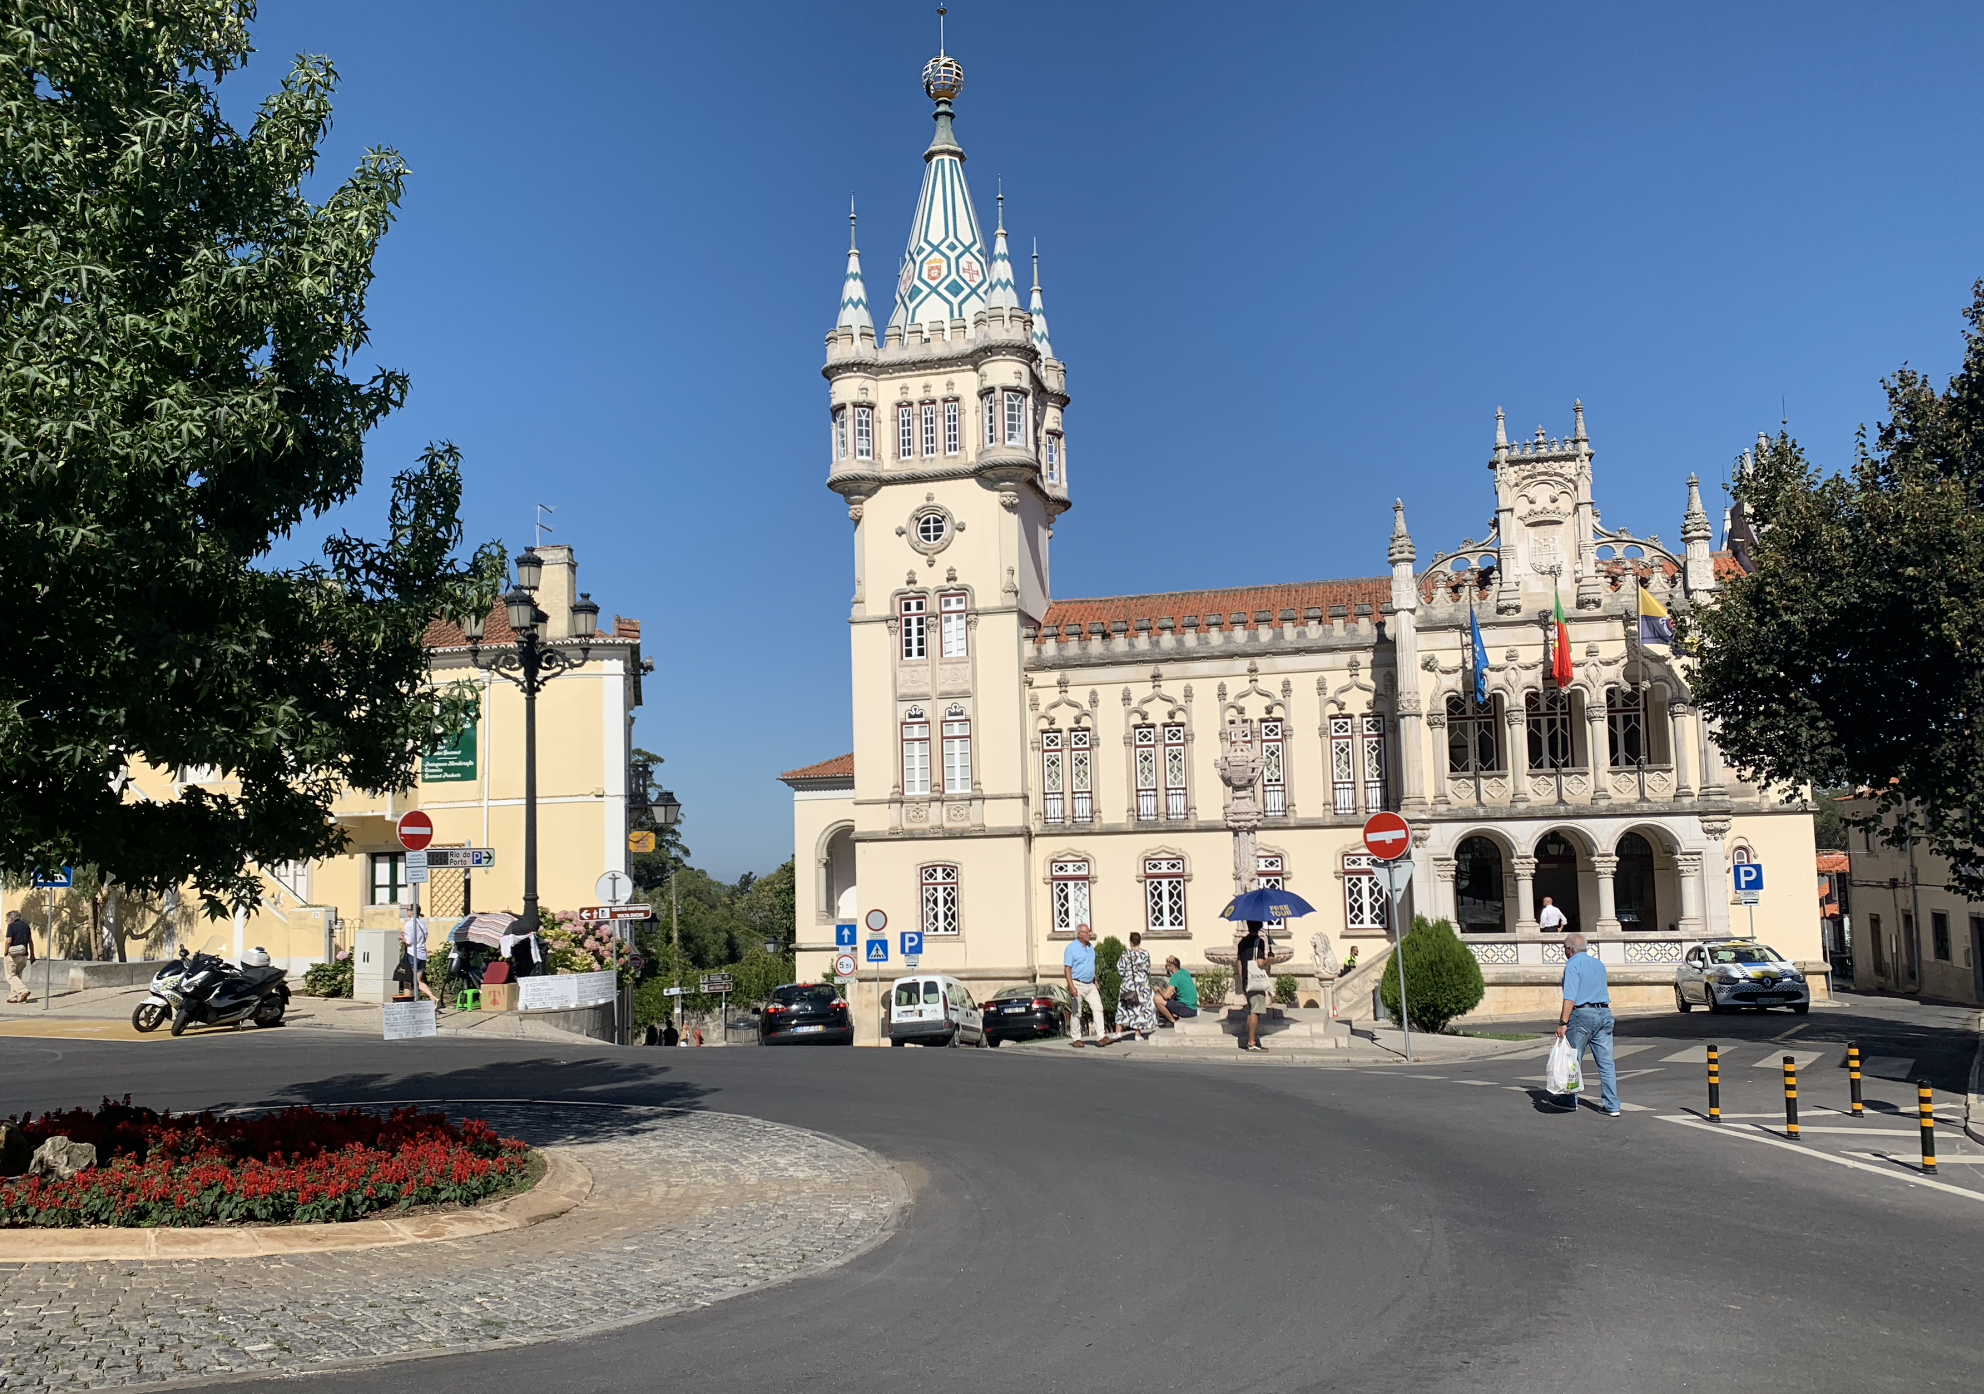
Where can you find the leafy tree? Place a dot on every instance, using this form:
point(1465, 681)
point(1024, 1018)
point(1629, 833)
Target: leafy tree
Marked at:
point(1853, 655)
point(1443, 977)
point(174, 399)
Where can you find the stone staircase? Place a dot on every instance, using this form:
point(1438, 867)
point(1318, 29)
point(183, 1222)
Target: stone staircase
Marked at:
point(1293, 1028)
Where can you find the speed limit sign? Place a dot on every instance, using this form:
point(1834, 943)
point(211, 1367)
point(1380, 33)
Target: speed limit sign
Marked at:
point(844, 965)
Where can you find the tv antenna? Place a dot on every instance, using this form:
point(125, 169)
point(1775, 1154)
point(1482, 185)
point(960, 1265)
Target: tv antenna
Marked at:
point(542, 526)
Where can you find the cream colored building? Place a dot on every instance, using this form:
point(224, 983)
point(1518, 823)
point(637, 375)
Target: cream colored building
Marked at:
point(473, 792)
point(1910, 931)
point(1023, 763)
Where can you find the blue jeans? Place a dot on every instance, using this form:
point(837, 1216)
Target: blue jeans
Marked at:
point(1592, 1026)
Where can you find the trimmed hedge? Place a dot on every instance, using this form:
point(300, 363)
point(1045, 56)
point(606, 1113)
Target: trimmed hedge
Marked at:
point(1443, 976)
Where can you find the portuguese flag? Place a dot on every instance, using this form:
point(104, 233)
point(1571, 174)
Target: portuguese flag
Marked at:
point(1560, 648)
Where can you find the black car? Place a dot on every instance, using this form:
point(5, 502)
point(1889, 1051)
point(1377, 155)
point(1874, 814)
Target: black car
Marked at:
point(1029, 1012)
point(805, 1014)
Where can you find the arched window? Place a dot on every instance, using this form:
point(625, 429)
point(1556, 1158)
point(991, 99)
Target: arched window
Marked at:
point(1632, 885)
point(1549, 715)
point(1070, 881)
point(1478, 900)
point(1625, 727)
point(1472, 744)
point(940, 900)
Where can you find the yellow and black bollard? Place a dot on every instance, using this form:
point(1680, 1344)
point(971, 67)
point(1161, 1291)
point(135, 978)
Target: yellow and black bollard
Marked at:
point(1925, 1100)
point(1714, 1086)
point(1791, 1096)
point(1853, 1077)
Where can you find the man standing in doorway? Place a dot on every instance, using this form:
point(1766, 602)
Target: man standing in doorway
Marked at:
point(1550, 919)
point(20, 953)
point(1078, 963)
point(1585, 1016)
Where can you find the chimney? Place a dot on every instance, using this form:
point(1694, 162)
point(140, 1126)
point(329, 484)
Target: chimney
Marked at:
point(557, 591)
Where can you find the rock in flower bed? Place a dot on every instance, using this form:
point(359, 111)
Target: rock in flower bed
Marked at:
point(296, 1166)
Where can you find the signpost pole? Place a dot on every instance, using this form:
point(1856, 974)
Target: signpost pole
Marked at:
point(1399, 873)
point(48, 972)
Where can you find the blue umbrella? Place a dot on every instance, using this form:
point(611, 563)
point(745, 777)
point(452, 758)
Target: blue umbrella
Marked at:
point(1266, 905)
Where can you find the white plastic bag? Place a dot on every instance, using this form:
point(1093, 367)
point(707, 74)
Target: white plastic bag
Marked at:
point(1562, 1073)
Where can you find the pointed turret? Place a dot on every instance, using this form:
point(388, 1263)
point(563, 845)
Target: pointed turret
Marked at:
point(1698, 566)
point(1501, 439)
point(945, 269)
point(853, 291)
point(1001, 293)
point(1038, 309)
point(1401, 549)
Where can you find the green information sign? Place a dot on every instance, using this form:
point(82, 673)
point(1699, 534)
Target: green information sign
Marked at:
point(452, 762)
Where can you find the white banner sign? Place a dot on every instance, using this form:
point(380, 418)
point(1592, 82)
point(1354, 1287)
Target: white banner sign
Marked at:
point(405, 1020)
point(565, 990)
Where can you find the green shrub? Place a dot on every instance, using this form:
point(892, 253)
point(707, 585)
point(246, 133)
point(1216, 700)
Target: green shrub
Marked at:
point(1284, 989)
point(329, 979)
point(1443, 976)
point(1107, 980)
point(1213, 986)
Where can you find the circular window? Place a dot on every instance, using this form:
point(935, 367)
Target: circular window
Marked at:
point(930, 529)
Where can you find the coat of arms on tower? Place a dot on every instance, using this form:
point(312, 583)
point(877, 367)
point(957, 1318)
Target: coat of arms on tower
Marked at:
point(968, 268)
point(933, 270)
point(1546, 554)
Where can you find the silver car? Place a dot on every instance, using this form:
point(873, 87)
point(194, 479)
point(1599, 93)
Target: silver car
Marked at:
point(1723, 974)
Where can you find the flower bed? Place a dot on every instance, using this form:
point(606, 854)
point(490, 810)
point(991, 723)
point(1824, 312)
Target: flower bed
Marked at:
point(298, 1166)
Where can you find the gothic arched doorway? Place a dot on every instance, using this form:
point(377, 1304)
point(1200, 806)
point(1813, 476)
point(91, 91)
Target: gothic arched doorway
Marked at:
point(1478, 898)
point(1632, 886)
point(1557, 877)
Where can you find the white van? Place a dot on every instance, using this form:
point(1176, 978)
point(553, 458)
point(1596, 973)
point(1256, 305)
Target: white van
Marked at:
point(931, 1009)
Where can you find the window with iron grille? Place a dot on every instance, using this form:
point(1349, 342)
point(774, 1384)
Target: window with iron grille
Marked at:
point(1016, 418)
point(953, 426)
point(929, 429)
point(1174, 769)
point(1080, 771)
point(1164, 894)
point(1274, 766)
point(1144, 753)
point(940, 900)
point(957, 758)
point(864, 433)
point(1549, 717)
point(1472, 744)
point(1625, 727)
point(916, 759)
point(1374, 763)
point(1343, 764)
point(1070, 883)
point(1268, 873)
point(951, 612)
point(905, 432)
point(1053, 776)
point(1364, 894)
point(915, 619)
point(840, 433)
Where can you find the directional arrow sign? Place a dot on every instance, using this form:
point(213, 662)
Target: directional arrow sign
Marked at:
point(615, 912)
point(1387, 836)
point(460, 858)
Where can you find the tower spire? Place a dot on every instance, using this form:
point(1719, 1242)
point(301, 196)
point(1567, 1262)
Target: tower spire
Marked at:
point(1038, 309)
point(854, 291)
point(1001, 293)
point(944, 269)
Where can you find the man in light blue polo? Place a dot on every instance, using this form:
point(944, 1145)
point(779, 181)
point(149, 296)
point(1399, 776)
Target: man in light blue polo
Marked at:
point(1585, 1018)
point(1078, 962)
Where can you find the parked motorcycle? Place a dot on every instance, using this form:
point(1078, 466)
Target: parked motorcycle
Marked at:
point(203, 990)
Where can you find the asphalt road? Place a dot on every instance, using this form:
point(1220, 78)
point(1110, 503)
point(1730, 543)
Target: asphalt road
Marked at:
point(1095, 1222)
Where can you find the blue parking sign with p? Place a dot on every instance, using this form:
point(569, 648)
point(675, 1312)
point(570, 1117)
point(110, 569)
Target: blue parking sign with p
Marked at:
point(844, 936)
point(1749, 876)
point(878, 951)
point(912, 942)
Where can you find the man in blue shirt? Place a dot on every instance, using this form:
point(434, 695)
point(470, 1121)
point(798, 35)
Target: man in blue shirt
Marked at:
point(1585, 1018)
point(1078, 963)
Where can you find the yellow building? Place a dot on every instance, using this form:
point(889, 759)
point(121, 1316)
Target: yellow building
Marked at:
point(1023, 763)
point(473, 791)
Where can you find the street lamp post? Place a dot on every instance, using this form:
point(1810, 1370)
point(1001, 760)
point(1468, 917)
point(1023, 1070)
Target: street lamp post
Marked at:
point(529, 666)
point(664, 810)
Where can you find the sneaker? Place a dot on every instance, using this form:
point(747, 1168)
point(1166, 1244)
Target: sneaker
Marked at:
point(1615, 1113)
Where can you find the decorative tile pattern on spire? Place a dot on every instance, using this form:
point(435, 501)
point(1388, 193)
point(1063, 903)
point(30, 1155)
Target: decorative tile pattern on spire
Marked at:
point(1038, 309)
point(1000, 292)
point(854, 291)
point(945, 270)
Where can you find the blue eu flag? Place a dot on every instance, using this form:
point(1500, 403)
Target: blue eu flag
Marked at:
point(1480, 658)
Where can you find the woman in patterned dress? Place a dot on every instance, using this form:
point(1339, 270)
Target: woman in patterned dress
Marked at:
point(1136, 1013)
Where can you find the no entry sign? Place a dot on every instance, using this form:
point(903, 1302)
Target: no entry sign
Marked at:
point(1387, 837)
point(416, 830)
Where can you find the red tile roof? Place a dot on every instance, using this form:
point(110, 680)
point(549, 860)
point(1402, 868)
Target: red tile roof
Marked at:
point(1727, 568)
point(838, 770)
point(497, 632)
point(1300, 597)
point(1835, 861)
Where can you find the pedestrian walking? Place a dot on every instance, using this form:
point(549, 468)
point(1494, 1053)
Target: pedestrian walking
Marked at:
point(415, 938)
point(1585, 1018)
point(1253, 961)
point(1136, 1010)
point(1078, 963)
point(1550, 919)
point(20, 953)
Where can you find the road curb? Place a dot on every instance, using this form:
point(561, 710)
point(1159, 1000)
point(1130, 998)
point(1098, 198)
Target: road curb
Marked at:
point(1973, 1105)
point(565, 1185)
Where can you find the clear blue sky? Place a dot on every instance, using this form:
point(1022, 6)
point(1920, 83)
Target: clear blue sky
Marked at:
point(1295, 257)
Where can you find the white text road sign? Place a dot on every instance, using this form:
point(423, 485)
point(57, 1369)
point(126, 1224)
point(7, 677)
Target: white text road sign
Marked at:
point(877, 920)
point(1749, 875)
point(614, 887)
point(62, 880)
point(912, 961)
point(844, 965)
point(460, 858)
point(878, 951)
point(912, 942)
point(718, 983)
point(416, 830)
point(1387, 836)
point(675, 992)
point(615, 912)
point(845, 936)
point(416, 868)
point(1749, 897)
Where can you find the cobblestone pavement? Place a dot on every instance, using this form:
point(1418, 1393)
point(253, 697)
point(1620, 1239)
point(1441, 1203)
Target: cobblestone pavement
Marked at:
point(686, 1209)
